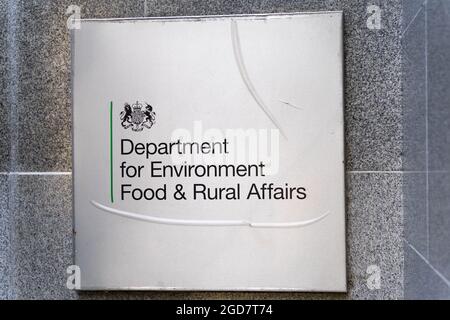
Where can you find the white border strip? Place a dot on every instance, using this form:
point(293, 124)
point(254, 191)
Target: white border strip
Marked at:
point(212, 17)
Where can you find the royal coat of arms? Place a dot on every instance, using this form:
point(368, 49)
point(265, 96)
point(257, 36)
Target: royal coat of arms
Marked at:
point(137, 117)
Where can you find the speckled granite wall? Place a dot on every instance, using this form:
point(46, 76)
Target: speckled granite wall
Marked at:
point(35, 151)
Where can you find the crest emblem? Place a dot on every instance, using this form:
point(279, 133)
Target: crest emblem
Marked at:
point(137, 117)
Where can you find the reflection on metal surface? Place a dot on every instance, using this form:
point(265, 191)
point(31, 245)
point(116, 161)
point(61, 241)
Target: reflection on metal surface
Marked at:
point(209, 223)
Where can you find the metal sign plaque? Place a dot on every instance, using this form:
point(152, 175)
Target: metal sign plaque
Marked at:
point(209, 153)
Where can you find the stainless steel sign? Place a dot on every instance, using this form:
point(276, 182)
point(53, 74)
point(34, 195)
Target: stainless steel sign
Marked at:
point(208, 153)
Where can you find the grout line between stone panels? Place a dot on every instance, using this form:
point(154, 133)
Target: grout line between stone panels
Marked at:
point(36, 173)
point(440, 275)
point(398, 172)
point(375, 172)
point(427, 180)
point(43, 173)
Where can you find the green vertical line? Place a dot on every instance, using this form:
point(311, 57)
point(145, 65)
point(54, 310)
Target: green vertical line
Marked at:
point(111, 170)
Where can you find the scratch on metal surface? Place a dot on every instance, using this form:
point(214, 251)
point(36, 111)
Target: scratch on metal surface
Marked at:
point(245, 77)
point(290, 105)
point(209, 223)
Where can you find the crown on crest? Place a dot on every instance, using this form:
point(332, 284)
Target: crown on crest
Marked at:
point(136, 106)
